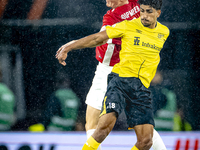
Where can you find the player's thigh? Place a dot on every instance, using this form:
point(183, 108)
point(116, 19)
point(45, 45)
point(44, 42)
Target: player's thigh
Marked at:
point(105, 126)
point(92, 117)
point(107, 120)
point(92, 113)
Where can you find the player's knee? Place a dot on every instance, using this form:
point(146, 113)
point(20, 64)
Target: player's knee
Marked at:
point(91, 123)
point(145, 142)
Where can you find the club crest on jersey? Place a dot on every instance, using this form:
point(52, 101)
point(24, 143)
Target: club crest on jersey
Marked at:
point(160, 36)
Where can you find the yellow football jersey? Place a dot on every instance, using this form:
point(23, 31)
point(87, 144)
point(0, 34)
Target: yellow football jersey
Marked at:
point(139, 56)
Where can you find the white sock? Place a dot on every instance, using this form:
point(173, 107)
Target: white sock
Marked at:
point(89, 133)
point(158, 142)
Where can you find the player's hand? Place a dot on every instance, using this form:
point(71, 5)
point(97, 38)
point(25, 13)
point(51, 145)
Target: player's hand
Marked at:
point(61, 54)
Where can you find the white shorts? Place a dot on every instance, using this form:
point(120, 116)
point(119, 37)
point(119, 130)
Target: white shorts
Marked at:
point(99, 85)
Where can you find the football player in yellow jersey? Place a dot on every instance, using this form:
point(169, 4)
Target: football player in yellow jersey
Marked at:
point(142, 41)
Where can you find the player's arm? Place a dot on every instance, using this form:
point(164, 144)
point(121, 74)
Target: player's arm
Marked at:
point(86, 42)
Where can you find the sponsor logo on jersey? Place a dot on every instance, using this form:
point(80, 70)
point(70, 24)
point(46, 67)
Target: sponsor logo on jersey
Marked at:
point(130, 13)
point(153, 46)
point(136, 40)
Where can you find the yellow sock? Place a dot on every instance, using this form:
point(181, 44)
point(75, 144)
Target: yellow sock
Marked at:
point(91, 144)
point(87, 147)
point(134, 148)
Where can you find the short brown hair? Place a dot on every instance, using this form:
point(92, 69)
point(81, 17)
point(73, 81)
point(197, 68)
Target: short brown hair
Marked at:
point(156, 4)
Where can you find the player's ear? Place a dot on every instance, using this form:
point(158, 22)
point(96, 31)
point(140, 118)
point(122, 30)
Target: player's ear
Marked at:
point(158, 13)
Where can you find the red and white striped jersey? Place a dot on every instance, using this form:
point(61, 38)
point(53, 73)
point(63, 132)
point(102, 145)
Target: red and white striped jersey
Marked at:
point(108, 53)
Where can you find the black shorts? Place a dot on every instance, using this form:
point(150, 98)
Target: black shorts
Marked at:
point(130, 95)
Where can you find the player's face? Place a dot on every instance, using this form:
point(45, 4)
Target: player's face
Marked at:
point(112, 3)
point(149, 15)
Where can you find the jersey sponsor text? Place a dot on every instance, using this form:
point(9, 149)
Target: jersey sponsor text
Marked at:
point(153, 46)
point(130, 13)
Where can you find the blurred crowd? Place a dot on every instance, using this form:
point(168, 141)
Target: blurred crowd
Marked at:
point(61, 110)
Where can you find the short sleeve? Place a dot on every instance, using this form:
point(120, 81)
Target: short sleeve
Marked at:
point(117, 30)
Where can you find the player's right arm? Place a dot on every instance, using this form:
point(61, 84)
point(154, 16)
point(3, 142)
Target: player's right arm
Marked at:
point(88, 41)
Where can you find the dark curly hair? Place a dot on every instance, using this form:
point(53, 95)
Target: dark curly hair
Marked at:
point(156, 4)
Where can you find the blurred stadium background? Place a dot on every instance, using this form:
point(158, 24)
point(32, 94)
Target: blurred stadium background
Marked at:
point(31, 31)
